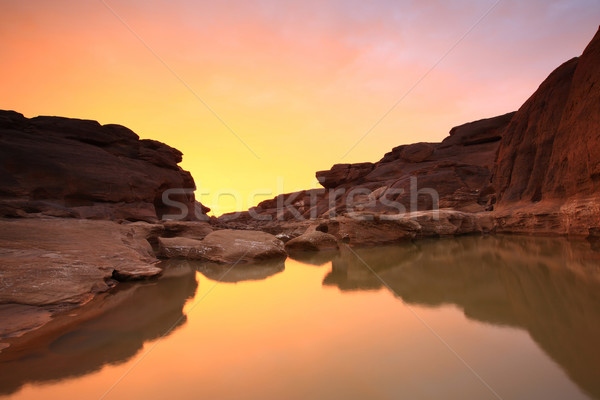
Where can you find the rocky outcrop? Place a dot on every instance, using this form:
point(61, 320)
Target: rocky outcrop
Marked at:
point(538, 169)
point(78, 168)
point(67, 261)
point(453, 174)
point(369, 229)
point(225, 247)
point(392, 200)
point(312, 241)
point(458, 169)
point(340, 174)
point(547, 175)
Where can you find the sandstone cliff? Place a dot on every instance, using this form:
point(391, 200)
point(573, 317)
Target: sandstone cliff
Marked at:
point(547, 174)
point(78, 168)
point(458, 169)
point(533, 171)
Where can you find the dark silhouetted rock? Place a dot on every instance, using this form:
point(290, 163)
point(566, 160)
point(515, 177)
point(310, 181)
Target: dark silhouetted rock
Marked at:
point(457, 171)
point(340, 174)
point(78, 168)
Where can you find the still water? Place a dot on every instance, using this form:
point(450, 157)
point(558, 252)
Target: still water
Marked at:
point(467, 318)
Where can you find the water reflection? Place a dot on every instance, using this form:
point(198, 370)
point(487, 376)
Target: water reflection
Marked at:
point(240, 272)
point(548, 286)
point(317, 258)
point(109, 330)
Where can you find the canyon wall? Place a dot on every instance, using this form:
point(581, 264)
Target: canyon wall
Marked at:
point(547, 173)
point(78, 168)
point(536, 170)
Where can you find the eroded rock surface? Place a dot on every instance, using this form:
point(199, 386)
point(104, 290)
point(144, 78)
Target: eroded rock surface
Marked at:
point(547, 175)
point(225, 246)
point(538, 170)
point(56, 261)
point(78, 168)
point(312, 241)
point(458, 170)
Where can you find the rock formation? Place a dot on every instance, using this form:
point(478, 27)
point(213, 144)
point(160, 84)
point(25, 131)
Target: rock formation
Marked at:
point(536, 170)
point(312, 241)
point(67, 261)
point(533, 171)
point(78, 168)
point(225, 246)
point(547, 174)
point(458, 169)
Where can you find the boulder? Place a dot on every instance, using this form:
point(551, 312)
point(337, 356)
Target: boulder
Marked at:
point(312, 241)
point(225, 246)
point(136, 273)
point(369, 229)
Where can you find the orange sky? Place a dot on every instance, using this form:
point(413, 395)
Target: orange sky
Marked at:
point(299, 82)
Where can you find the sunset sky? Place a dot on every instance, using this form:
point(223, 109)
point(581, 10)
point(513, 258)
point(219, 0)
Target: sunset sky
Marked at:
point(259, 95)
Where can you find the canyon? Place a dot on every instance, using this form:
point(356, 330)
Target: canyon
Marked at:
point(82, 205)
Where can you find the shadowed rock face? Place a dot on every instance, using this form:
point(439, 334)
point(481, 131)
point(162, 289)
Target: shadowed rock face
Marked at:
point(548, 286)
point(79, 168)
point(458, 168)
point(547, 175)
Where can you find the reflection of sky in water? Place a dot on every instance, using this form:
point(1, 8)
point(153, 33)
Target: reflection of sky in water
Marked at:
point(522, 312)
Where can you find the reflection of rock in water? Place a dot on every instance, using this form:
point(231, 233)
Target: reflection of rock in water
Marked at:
point(109, 330)
point(548, 286)
point(241, 272)
point(318, 258)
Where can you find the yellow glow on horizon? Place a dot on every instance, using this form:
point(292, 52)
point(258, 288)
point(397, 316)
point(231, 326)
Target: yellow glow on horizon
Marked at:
point(298, 84)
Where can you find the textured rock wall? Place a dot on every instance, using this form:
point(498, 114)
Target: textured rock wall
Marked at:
point(547, 174)
point(79, 168)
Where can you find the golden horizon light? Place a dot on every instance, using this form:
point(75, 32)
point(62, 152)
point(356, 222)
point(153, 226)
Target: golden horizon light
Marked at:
point(259, 95)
